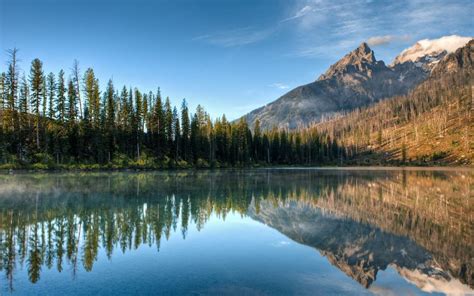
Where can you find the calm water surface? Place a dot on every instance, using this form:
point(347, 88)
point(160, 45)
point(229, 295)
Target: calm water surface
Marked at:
point(249, 232)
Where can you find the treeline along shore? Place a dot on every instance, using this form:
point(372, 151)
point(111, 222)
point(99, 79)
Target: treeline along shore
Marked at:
point(65, 121)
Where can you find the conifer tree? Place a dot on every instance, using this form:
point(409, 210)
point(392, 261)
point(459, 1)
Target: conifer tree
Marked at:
point(61, 98)
point(37, 94)
point(110, 119)
point(169, 127)
point(44, 104)
point(176, 133)
point(24, 97)
point(138, 121)
point(3, 140)
point(23, 116)
point(91, 89)
point(72, 102)
point(185, 130)
point(257, 134)
point(51, 85)
point(11, 86)
point(159, 115)
point(2, 93)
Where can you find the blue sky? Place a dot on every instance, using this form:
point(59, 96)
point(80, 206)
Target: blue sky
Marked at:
point(230, 56)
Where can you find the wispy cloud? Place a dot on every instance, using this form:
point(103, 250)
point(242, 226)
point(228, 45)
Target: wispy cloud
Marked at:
point(236, 37)
point(387, 39)
point(279, 85)
point(331, 28)
point(300, 13)
point(313, 12)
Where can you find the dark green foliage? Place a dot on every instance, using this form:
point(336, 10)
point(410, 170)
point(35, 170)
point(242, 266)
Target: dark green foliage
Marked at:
point(42, 124)
point(37, 95)
point(51, 94)
point(61, 98)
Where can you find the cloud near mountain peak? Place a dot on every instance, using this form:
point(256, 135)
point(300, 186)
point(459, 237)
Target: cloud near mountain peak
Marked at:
point(386, 39)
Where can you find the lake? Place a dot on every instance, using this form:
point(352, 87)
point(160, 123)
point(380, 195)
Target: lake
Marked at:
point(238, 232)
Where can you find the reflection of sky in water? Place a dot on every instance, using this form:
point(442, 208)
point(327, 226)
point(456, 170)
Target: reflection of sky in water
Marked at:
point(271, 251)
point(238, 256)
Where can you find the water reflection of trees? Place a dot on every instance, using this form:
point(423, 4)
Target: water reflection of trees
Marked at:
point(47, 221)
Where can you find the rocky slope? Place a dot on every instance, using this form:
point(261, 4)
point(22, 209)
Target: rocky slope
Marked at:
point(431, 125)
point(357, 80)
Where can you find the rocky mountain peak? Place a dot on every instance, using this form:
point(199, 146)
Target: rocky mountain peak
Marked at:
point(365, 52)
point(358, 80)
point(360, 59)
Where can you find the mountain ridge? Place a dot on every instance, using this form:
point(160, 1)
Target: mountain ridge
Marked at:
point(358, 79)
point(432, 124)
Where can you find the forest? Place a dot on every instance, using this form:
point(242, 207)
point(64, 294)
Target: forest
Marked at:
point(55, 121)
point(65, 121)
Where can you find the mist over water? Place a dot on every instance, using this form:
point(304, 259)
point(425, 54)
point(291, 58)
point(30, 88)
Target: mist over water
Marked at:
point(252, 232)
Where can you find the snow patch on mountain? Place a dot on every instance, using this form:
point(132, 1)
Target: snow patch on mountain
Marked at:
point(431, 49)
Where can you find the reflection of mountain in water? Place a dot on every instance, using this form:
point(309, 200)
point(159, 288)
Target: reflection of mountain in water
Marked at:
point(419, 222)
point(359, 250)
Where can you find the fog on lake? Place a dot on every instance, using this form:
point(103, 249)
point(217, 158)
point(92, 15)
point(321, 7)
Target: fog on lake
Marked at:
point(235, 232)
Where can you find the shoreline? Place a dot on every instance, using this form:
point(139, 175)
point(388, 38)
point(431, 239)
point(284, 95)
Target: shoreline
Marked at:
point(280, 167)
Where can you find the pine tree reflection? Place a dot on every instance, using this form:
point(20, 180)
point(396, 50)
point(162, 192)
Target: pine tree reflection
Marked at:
point(53, 220)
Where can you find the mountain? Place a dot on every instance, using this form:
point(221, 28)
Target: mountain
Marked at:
point(356, 80)
point(432, 124)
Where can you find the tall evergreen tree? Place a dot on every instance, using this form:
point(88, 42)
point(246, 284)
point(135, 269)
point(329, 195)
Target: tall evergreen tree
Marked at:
point(3, 140)
point(91, 89)
point(72, 127)
point(110, 119)
point(71, 102)
point(2, 93)
point(169, 127)
point(37, 94)
point(44, 103)
point(185, 131)
point(24, 96)
point(10, 114)
point(257, 141)
point(138, 121)
point(176, 133)
point(23, 116)
point(159, 114)
point(51, 85)
point(61, 98)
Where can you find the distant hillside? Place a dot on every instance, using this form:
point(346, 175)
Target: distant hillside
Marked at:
point(433, 124)
point(357, 80)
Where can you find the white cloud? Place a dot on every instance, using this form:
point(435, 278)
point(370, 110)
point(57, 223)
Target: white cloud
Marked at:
point(280, 244)
point(279, 85)
point(386, 39)
point(331, 28)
